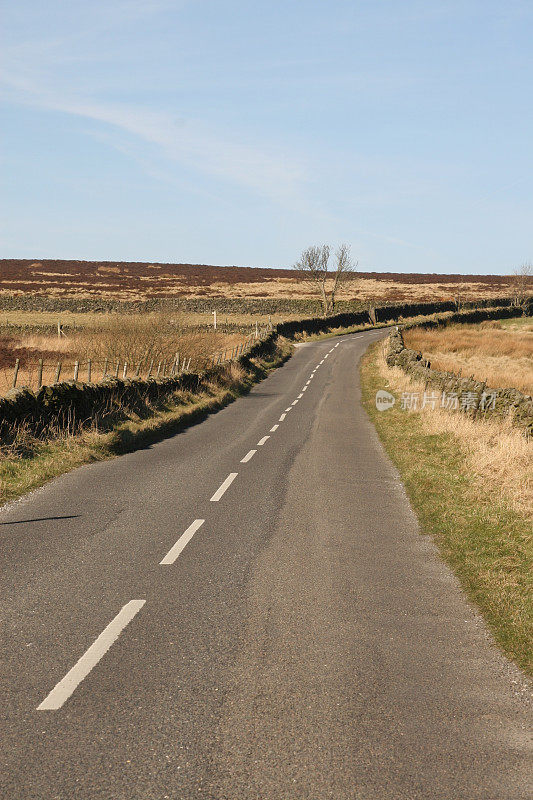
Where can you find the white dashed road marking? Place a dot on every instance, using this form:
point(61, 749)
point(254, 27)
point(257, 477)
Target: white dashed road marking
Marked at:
point(250, 454)
point(182, 542)
point(62, 691)
point(274, 428)
point(222, 488)
point(261, 442)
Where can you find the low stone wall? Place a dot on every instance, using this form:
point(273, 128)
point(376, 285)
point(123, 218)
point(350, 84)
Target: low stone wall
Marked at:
point(472, 396)
point(70, 406)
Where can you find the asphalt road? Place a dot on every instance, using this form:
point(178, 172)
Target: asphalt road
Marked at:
point(303, 642)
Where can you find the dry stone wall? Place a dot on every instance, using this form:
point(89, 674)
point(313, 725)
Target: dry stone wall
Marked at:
point(482, 401)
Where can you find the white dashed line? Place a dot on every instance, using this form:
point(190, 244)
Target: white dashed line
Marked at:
point(274, 428)
point(294, 402)
point(300, 396)
point(287, 410)
point(261, 442)
point(282, 418)
point(304, 389)
point(250, 454)
point(62, 690)
point(182, 542)
point(227, 483)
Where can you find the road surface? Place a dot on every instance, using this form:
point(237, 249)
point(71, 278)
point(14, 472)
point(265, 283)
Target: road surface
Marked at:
point(247, 611)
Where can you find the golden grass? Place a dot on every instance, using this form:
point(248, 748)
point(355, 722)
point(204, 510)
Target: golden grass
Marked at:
point(361, 288)
point(503, 357)
point(97, 320)
point(135, 340)
point(498, 456)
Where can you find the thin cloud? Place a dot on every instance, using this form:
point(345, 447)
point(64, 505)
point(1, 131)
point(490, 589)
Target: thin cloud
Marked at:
point(182, 141)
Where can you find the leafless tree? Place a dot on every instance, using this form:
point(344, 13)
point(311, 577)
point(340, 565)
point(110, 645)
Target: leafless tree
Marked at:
point(313, 268)
point(522, 286)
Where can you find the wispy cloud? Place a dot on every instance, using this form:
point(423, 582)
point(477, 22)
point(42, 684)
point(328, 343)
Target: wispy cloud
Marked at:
point(180, 140)
point(35, 76)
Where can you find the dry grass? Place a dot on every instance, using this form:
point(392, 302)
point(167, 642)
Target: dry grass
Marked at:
point(108, 340)
point(498, 456)
point(503, 357)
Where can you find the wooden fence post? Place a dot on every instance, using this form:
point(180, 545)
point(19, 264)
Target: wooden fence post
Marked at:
point(138, 370)
point(89, 370)
point(58, 372)
point(125, 370)
point(76, 369)
point(150, 368)
point(16, 372)
point(104, 374)
point(158, 369)
point(40, 374)
point(117, 369)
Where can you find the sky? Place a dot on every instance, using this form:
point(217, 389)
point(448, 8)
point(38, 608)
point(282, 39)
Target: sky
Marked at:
point(242, 131)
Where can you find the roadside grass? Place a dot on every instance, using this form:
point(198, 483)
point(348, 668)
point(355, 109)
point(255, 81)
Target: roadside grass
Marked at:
point(32, 463)
point(480, 519)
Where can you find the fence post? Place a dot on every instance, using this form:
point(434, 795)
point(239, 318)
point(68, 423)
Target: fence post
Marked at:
point(76, 369)
point(138, 370)
point(256, 330)
point(150, 368)
point(104, 376)
point(158, 369)
point(164, 368)
point(125, 370)
point(15, 374)
point(40, 374)
point(89, 370)
point(117, 369)
point(58, 372)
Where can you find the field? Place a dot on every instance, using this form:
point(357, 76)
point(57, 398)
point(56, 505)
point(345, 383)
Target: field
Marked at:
point(142, 281)
point(110, 344)
point(500, 353)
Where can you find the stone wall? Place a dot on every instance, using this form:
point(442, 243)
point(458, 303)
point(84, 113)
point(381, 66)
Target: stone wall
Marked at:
point(481, 401)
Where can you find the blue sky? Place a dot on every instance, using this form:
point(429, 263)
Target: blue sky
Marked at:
point(232, 132)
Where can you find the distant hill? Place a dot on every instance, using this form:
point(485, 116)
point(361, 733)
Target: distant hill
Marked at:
point(129, 279)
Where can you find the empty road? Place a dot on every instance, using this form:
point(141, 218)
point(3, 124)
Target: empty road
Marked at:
point(247, 611)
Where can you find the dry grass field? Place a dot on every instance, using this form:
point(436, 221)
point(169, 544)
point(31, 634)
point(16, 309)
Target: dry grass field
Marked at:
point(109, 342)
point(141, 281)
point(498, 353)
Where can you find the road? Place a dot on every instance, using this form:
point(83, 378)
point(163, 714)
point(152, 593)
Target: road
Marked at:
point(247, 611)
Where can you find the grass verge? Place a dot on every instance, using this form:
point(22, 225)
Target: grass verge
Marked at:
point(49, 458)
point(483, 536)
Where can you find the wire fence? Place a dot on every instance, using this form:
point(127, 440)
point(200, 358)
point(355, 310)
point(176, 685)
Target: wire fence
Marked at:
point(33, 374)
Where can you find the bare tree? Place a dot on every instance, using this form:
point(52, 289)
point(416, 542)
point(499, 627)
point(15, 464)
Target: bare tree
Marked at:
point(313, 267)
point(522, 286)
